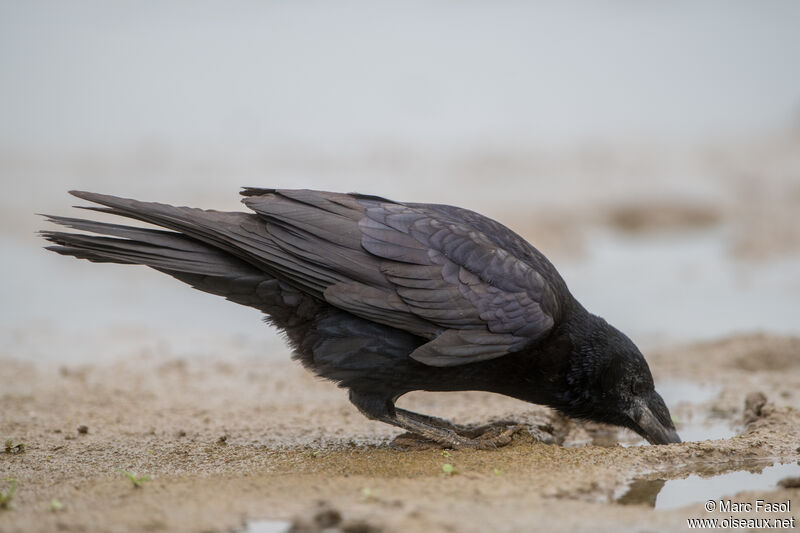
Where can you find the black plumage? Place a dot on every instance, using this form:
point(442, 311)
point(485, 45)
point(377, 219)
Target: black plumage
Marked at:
point(385, 298)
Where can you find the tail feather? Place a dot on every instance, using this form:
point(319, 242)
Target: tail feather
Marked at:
point(207, 226)
point(162, 250)
point(147, 235)
point(236, 233)
point(195, 262)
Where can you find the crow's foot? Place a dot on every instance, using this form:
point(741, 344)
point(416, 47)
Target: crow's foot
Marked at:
point(432, 433)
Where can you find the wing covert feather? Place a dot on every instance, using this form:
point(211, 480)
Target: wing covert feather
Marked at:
point(469, 285)
point(494, 302)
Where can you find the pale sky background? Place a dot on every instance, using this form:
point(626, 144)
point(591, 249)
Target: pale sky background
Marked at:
point(430, 74)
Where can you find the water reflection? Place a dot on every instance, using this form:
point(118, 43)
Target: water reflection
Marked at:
point(703, 485)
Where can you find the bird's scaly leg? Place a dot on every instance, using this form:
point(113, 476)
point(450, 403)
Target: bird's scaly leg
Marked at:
point(441, 435)
point(448, 434)
point(472, 432)
point(438, 430)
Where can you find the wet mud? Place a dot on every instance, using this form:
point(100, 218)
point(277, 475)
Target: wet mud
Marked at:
point(227, 445)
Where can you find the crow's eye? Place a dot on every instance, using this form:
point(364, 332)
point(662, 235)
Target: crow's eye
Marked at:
point(637, 388)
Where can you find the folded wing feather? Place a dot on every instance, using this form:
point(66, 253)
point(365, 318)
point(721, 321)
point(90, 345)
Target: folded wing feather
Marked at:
point(414, 268)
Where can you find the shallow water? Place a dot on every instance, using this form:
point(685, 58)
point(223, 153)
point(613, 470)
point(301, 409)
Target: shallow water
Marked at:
point(673, 391)
point(697, 432)
point(661, 493)
point(683, 286)
point(701, 426)
point(267, 526)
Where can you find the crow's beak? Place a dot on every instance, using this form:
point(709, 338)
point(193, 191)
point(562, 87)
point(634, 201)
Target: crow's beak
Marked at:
point(650, 427)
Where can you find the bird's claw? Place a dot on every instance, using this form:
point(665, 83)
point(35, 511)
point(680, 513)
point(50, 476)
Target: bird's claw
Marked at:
point(496, 437)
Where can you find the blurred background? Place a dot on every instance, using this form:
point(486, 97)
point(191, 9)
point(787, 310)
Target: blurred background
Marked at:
point(651, 150)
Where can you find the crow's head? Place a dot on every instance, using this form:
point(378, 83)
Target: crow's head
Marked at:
point(609, 381)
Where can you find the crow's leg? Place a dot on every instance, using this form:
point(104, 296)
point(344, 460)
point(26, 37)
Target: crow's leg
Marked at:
point(435, 429)
point(472, 432)
point(484, 437)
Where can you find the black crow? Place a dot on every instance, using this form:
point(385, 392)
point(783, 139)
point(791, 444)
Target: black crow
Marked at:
point(387, 297)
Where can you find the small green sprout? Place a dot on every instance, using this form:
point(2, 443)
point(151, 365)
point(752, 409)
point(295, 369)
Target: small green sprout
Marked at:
point(448, 469)
point(135, 479)
point(7, 496)
point(55, 505)
point(498, 472)
point(10, 447)
point(446, 453)
point(366, 495)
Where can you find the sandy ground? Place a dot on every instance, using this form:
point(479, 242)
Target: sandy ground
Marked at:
point(227, 442)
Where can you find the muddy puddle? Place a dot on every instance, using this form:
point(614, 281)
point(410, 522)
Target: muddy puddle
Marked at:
point(711, 481)
point(694, 419)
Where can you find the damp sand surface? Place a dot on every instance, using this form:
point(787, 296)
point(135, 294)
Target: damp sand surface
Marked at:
point(243, 443)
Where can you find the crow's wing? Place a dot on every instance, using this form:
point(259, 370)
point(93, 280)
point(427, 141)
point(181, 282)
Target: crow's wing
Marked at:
point(471, 286)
